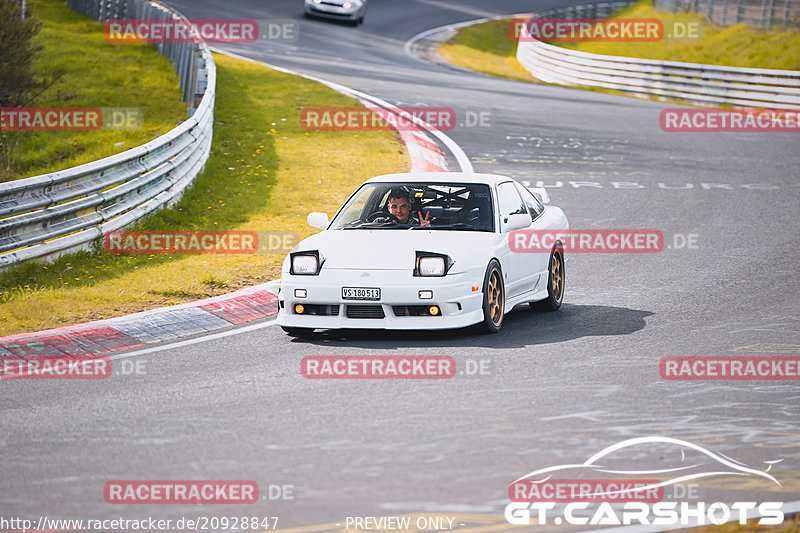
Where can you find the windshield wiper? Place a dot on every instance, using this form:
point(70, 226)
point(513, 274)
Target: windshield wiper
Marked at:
point(457, 225)
point(379, 225)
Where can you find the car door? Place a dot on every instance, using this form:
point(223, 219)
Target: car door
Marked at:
point(537, 262)
point(542, 219)
point(517, 270)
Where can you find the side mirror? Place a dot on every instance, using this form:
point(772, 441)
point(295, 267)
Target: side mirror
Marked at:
point(541, 194)
point(518, 221)
point(318, 220)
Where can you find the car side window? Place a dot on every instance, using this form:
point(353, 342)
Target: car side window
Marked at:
point(509, 200)
point(534, 206)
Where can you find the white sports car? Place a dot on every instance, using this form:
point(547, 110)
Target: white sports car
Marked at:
point(423, 251)
point(349, 10)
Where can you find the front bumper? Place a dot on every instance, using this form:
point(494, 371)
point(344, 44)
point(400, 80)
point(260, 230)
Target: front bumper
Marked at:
point(459, 305)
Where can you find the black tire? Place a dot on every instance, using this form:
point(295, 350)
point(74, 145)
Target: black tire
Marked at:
point(298, 332)
point(556, 278)
point(494, 298)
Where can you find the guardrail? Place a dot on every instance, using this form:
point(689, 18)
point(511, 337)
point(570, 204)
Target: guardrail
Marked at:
point(705, 84)
point(48, 215)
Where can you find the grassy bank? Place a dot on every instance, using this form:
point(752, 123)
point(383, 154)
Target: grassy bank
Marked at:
point(265, 173)
point(91, 72)
point(736, 46)
point(488, 48)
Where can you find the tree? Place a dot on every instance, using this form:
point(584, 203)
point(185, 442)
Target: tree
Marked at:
point(18, 81)
point(17, 78)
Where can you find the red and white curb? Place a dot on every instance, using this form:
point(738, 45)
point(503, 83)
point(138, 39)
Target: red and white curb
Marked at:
point(426, 156)
point(148, 327)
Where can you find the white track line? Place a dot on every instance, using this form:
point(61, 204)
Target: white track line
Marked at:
point(197, 340)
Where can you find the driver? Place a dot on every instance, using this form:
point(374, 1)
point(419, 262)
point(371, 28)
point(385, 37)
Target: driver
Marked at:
point(400, 206)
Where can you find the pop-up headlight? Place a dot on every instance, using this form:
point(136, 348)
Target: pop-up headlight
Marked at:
point(305, 263)
point(431, 264)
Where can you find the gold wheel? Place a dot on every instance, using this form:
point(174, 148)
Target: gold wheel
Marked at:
point(557, 277)
point(496, 298)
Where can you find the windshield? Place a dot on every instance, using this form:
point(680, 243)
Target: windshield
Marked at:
point(428, 206)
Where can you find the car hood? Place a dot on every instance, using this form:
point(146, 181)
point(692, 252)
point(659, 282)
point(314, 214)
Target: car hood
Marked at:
point(395, 249)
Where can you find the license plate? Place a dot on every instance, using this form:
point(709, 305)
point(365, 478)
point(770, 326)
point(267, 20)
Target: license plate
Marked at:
point(360, 293)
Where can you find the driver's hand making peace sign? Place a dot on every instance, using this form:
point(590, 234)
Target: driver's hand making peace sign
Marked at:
point(424, 221)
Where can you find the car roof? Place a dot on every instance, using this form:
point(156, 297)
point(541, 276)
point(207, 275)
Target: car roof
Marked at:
point(440, 177)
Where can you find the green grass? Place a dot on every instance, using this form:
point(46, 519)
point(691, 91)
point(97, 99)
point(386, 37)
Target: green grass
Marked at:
point(736, 46)
point(488, 48)
point(93, 73)
point(265, 173)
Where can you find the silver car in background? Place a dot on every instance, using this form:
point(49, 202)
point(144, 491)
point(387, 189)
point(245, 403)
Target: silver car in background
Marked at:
point(347, 10)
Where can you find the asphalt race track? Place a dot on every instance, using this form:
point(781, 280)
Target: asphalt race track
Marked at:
point(558, 387)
